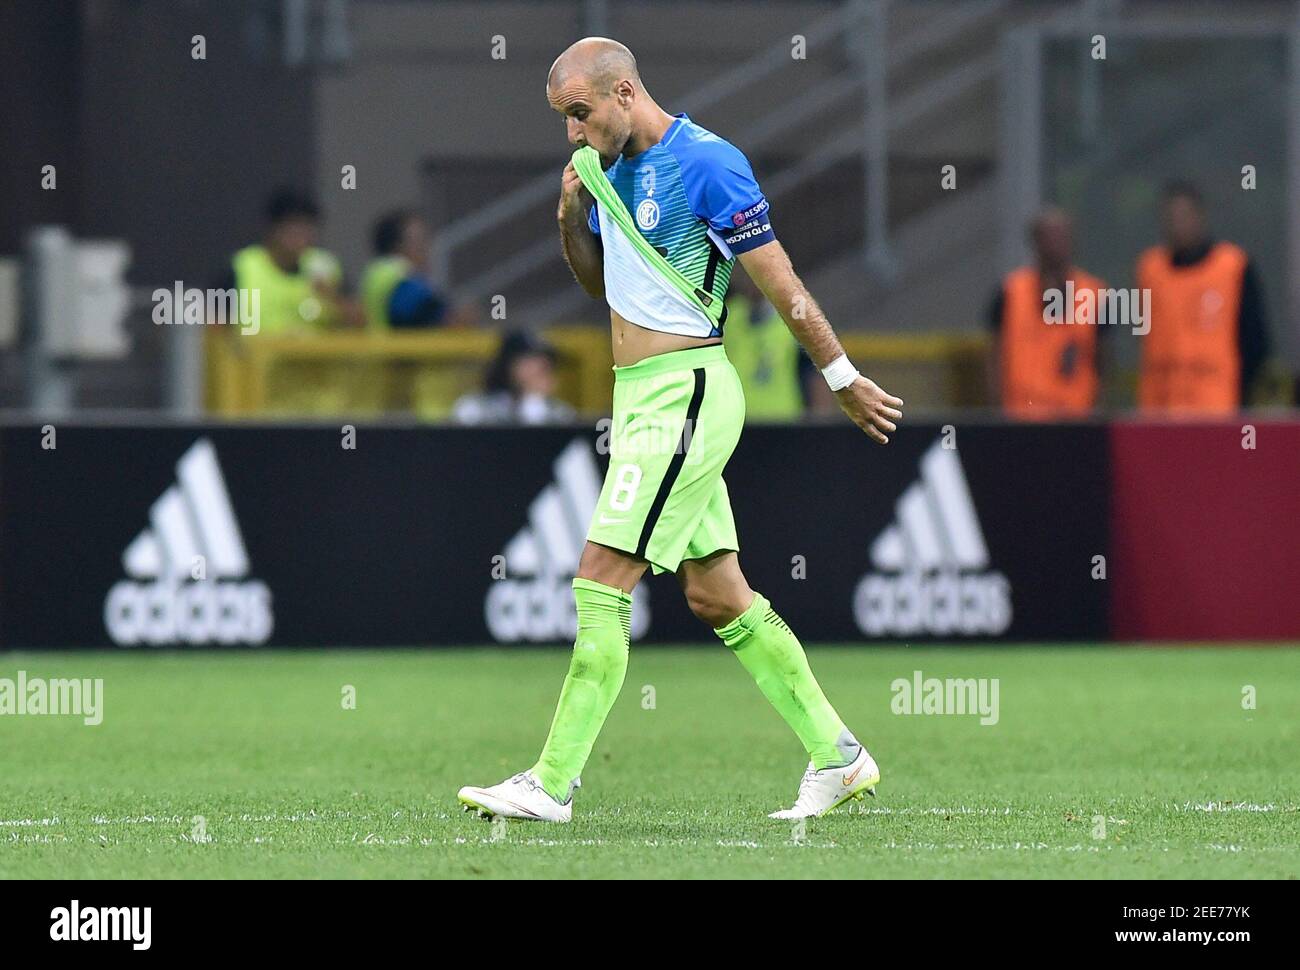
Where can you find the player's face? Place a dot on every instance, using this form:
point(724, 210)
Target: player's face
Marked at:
point(533, 374)
point(293, 237)
point(601, 120)
point(1184, 223)
point(415, 242)
point(1054, 242)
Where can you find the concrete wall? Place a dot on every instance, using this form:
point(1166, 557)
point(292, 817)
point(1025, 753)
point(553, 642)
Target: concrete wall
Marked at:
point(423, 86)
point(174, 154)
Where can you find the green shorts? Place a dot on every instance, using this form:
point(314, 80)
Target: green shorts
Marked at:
point(677, 418)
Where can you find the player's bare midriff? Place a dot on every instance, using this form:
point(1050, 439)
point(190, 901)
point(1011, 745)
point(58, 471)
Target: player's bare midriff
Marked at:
point(633, 343)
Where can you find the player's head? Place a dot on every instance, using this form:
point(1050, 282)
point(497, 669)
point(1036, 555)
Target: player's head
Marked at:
point(1052, 234)
point(402, 233)
point(1182, 214)
point(595, 85)
point(291, 223)
point(523, 366)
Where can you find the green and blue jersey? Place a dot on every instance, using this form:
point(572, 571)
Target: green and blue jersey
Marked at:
point(694, 198)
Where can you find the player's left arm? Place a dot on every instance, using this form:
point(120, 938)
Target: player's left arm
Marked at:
point(870, 408)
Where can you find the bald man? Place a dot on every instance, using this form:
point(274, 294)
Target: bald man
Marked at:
point(1045, 368)
point(679, 206)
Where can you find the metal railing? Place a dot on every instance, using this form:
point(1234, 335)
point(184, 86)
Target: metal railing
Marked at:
point(850, 25)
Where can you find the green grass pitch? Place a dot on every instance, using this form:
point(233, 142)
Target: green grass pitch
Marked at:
point(289, 784)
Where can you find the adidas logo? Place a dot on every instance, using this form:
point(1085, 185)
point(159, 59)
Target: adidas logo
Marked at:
point(188, 568)
point(932, 575)
point(533, 601)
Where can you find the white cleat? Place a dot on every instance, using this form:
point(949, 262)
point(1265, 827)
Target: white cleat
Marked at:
point(521, 796)
point(823, 791)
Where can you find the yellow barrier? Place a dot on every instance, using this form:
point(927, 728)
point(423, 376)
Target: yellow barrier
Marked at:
point(926, 370)
point(422, 374)
point(359, 374)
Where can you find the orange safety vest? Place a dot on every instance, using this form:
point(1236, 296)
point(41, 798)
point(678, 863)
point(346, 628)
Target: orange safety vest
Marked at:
point(1191, 359)
point(1049, 370)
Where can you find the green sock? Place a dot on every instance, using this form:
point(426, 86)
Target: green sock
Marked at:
point(771, 653)
point(593, 682)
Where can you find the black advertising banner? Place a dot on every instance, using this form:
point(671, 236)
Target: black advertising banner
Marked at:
point(250, 535)
point(949, 533)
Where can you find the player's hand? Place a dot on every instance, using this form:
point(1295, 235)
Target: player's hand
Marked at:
point(571, 197)
point(870, 408)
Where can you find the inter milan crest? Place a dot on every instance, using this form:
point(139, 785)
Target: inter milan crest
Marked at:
point(647, 214)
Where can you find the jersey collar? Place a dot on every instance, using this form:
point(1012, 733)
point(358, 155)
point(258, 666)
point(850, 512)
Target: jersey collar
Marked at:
point(682, 119)
point(667, 136)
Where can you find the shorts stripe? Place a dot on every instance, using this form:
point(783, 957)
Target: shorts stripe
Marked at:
point(674, 466)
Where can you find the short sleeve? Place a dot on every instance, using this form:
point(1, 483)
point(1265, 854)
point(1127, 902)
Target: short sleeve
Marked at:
point(593, 219)
point(414, 304)
point(724, 193)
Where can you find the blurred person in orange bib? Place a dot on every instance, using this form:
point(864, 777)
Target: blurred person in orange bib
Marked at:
point(1209, 336)
point(1045, 324)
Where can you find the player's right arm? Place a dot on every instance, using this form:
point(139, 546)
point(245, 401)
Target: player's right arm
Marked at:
point(582, 250)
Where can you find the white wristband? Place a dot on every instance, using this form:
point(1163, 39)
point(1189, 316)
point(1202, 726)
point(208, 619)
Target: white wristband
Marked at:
point(840, 373)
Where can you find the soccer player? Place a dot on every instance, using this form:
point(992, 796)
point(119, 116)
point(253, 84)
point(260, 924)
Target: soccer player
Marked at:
point(697, 209)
